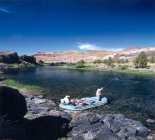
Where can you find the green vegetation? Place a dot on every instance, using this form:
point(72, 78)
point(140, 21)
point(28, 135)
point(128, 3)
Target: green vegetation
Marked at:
point(82, 64)
point(28, 115)
point(141, 60)
point(45, 64)
point(40, 62)
point(97, 61)
point(109, 62)
point(122, 61)
point(136, 72)
point(122, 67)
point(13, 83)
point(15, 65)
point(30, 65)
point(152, 59)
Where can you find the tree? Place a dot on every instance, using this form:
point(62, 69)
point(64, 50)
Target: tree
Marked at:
point(105, 61)
point(152, 59)
point(80, 64)
point(141, 60)
point(110, 61)
point(97, 61)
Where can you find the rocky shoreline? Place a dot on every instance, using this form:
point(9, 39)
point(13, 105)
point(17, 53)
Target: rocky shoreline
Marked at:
point(89, 125)
point(41, 117)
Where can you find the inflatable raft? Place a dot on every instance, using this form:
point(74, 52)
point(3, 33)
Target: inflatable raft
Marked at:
point(92, 102)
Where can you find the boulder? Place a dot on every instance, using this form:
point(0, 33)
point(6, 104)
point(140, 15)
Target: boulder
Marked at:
point(108, 117)
point(129, 131)
point(115, 127)
point(39, 101)
point(94, 118)
point(32, 107)
point(118, 117)
point(79, 138)
point(84, 128)
point(136, 138)
point(142, 131)
point(78, 122)
point(106, 134)
point(12, 103)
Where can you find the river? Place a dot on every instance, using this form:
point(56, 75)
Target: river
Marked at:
point(129, 94)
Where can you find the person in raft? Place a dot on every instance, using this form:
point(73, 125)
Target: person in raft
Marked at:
point(99, 93)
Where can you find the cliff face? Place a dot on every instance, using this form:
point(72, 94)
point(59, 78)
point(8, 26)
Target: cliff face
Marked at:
point(89, 56)
point(29, 59)
point(8, 57)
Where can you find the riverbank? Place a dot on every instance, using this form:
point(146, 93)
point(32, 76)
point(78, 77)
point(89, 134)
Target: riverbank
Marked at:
point(84, 125)
point(130, 69)
point(89, 125)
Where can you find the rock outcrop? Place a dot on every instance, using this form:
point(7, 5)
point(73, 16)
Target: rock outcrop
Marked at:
point(12, 104)
point(29, 59)
point(8, 57)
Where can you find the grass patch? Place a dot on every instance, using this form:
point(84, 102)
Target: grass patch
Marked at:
point(14, 65)
point(13, 83)
point(136, 72)
point(28, 115)
point(31, 65)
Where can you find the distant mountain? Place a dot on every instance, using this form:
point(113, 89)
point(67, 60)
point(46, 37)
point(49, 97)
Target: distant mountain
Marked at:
point(131, 48)
point(73, 56)
point(89, 56)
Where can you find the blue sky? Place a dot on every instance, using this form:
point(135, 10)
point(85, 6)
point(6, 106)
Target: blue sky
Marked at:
point(32, 26)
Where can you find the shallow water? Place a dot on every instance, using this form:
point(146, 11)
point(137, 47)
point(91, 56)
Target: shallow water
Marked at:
point(130, 94)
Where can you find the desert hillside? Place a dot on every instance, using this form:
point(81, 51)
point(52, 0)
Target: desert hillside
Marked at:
point(89, 56)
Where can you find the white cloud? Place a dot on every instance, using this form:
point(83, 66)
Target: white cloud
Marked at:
point(88, 46)
point(4, 10)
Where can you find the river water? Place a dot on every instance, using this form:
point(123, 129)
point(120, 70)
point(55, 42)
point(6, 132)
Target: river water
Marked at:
point(129, 94)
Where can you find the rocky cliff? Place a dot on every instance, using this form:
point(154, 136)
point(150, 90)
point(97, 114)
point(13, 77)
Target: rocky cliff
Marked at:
point(29, 59)
point(8, 57)
point(73, 56)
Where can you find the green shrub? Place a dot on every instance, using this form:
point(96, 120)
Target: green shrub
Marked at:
point(141, 60)
point(97, 61)
point(80, 64)
point(152, 59)
point(122, 67)
point(147, 67)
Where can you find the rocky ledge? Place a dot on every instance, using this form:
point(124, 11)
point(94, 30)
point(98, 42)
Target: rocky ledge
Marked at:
point(92, 126)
